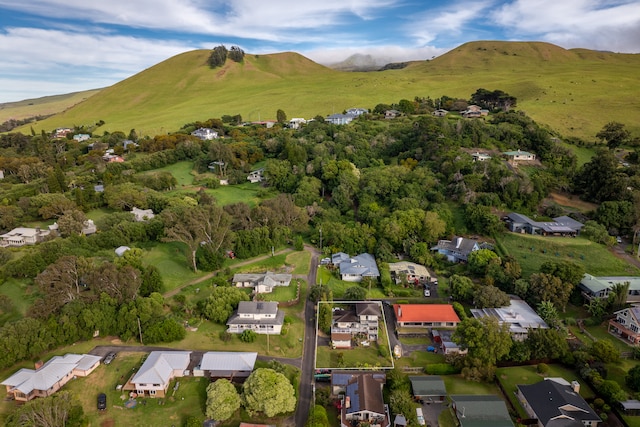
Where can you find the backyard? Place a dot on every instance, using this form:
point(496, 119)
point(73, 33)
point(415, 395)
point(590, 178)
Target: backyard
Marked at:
point(532, 251)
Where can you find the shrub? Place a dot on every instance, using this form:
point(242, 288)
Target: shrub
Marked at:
point(543, 368)
point(225, 336)
point(248, 336)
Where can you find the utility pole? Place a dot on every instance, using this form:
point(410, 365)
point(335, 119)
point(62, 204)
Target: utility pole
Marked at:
point(320, 239)
point(140, 330)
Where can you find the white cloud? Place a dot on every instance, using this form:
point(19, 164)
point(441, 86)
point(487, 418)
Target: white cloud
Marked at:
point(446, 22)
point(39, 62)
point(594, 24)
point(273, 20)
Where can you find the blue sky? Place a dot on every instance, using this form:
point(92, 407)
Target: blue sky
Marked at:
point(50, 47)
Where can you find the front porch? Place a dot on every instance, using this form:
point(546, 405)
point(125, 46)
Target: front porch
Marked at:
point(620, 331)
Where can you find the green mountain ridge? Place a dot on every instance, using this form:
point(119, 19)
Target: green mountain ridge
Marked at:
point(567, 90)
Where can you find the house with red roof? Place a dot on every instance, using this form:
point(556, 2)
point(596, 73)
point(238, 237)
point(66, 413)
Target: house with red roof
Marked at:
point(425, 316)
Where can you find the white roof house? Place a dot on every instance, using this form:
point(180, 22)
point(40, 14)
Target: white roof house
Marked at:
point(23, 236)
point(153, 377)
point(205, 134)
point(261, 282)
point(27, 384)
point(228, 363)
point(518, 315)
point(142, 214)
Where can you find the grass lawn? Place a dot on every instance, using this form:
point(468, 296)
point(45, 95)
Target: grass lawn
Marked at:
point(532, 251)
point(285, 293)
point(338, 286)
point(446, 419)
point(20, 293)
point(98, 214)
point(188, 400)
point(170, 259)
point(181, 171)
point(420, 359)
point(228, 194)
point(300, 260)
point(360, 357)
point(455, 384)
point(270, 263)
point(509, 378)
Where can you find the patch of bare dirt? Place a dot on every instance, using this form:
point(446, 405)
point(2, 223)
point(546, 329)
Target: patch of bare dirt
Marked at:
point(108, 423)
point(571, 201)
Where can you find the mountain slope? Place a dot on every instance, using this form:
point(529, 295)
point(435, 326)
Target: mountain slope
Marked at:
point(574, 91)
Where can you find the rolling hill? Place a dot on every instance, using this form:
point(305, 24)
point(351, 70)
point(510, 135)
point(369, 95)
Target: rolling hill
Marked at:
point(573, 91)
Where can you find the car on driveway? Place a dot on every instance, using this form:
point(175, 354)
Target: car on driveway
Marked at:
point(102, 402)
point(109, 358)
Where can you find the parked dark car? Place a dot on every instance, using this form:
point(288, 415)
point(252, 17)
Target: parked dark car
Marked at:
point(109, 358)
point(102, 402)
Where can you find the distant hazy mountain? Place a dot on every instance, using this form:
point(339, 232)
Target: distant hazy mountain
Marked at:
point(360, 62)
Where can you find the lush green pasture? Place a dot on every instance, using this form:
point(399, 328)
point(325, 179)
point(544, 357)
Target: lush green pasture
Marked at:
point(532, 251)
point(560, 88)
point(98, 214)
point(42, 106)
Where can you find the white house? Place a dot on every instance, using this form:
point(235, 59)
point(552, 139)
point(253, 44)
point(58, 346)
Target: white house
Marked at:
point(23, 236)
point(27, 384)
point(205, 134)
point(261, 282)
point(142, 214)
point(360, 266)
point(296, 122)
point(155, 374)
point(262, 317)
point(256, 176)
point(228, 364)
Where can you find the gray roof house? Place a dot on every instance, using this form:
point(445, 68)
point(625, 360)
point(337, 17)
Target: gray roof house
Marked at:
point(46, 379)
point(480, 411)
point(429, 388)
point(261, 282)
point(228, 364)
point(157, 371)
point(560, 226)
point(360, 266)
point(518, 315)
point(556, 403)
point(600, 287)
point(205, 134)
point(262, 317)
point(457, 249)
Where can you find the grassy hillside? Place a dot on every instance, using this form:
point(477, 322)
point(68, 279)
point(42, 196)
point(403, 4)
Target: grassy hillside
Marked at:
point(42, 106)
point(573, 91)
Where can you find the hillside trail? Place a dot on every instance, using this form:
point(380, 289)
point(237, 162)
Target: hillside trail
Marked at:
point(175, 291)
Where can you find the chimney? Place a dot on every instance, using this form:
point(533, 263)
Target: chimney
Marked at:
point(39, 364)
point(575, 386)
point(399, 311)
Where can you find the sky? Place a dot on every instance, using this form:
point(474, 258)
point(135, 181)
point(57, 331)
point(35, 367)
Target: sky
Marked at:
point(51, 47)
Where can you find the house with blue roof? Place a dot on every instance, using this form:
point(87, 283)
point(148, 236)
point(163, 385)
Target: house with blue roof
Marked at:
point(356, 268)
point(362, 401)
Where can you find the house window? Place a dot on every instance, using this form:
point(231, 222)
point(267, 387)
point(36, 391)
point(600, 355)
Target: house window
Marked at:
point(152, 392)
point(634, 328)
point(156, 385)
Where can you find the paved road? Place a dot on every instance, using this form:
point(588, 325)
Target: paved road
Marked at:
point(308, 353)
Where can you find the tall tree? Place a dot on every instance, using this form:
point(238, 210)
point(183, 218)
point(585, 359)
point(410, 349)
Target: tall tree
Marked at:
point(62, 282)
point(208, 224)
point(281, 116)
point(223, 400)
point(269, 392)
point(486, 341)
point(545, 287)
point(614, 134)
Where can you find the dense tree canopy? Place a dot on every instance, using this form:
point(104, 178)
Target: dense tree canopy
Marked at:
point(223, 400)
point(268, 392)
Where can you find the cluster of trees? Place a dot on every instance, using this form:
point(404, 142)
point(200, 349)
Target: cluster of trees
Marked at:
point(219, 55)
point(265, 392)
